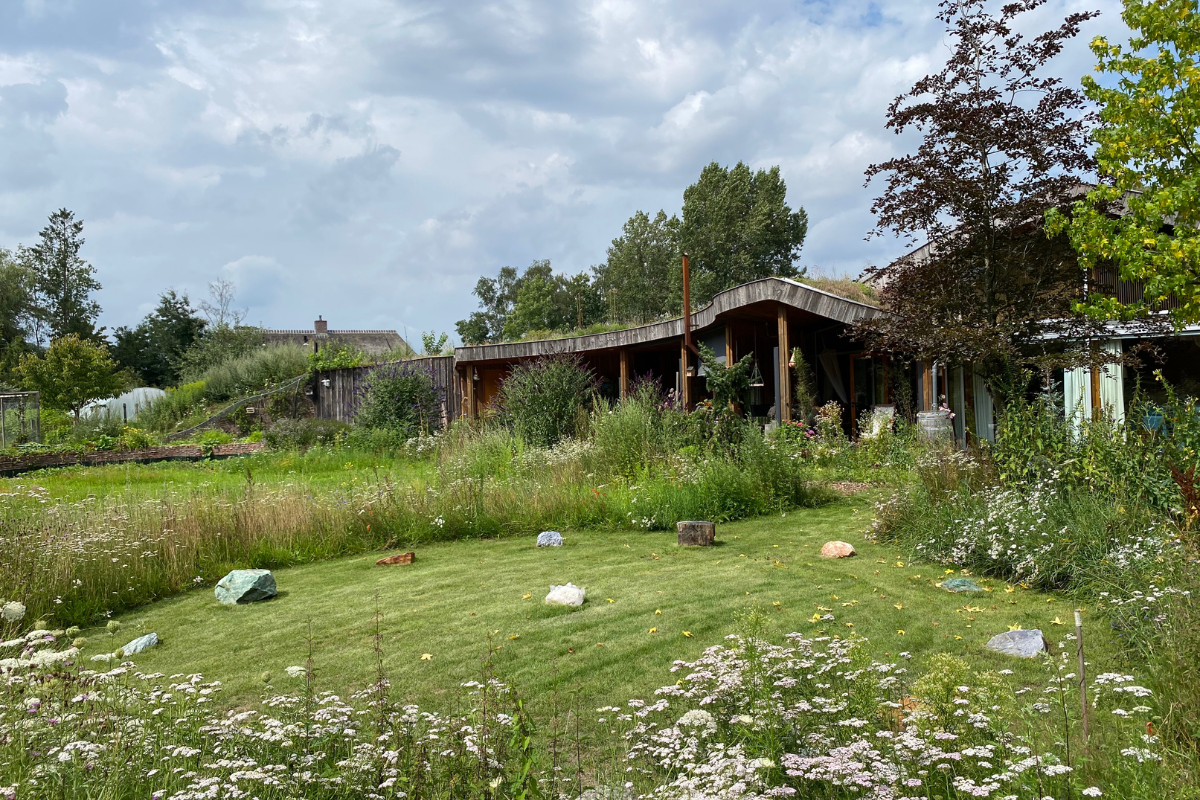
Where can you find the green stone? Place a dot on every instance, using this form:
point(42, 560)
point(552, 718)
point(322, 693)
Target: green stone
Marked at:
point(246, 586)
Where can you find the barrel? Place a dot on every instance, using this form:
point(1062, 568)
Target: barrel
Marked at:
point(935, 424)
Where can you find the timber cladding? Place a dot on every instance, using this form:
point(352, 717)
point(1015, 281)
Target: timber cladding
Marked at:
point(337, 392)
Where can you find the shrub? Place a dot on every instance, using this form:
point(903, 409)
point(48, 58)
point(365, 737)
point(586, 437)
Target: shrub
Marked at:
point(254, 371)
point(400, 398)
point(336, 355)
point(180, 405)
point(546, 400)
point(216, 346)
point(301, 434)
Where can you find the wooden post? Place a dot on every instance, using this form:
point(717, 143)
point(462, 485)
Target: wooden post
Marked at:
point(472, 409)
point(728, 345)
point(1082, 673)
point(926, 387)
point(1095, 376)
point(624, 374)
point(685, 386)
point(785, 372)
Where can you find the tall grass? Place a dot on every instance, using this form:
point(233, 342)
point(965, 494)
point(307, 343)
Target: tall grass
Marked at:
point(254, 371)
point(73, 562)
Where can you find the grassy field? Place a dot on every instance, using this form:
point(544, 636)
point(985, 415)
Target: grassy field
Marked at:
point(644, 596)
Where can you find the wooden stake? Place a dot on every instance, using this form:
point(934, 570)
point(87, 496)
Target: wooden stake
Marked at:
point(785, 372)
point(1082, 675)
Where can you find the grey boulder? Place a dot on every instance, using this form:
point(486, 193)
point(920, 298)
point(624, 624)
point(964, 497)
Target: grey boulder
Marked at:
point(961, 585)
point(549, 539)
point(246, 586)
point(141, 643)
point(1024, 644)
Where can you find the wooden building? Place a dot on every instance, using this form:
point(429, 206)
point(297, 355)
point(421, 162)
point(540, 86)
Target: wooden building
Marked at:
point(766, 318)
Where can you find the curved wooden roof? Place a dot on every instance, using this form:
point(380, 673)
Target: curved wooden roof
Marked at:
point(783, 290)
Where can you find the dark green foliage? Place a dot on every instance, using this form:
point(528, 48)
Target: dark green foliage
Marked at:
point(182, 404)
point(547, 400)
point(400, 398)
point(154, 349)
point(255, 371)
point(727, 384)
point(638, 277)
point(737, 227)
point(301, 434)
point(804, 393)
point(63, 281)
point(16, 313)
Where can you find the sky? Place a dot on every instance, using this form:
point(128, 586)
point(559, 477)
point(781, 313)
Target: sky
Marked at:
point(368, 160)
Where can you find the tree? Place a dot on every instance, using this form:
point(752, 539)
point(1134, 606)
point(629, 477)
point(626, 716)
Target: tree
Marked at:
point(513, 304)
point(1002, 144)
point(1149, 157)
point(154, 349)
point(219, 307)
point(73, 373)
point(16, 311)
point(737, 227)
point(63, 282)
point(432, 344)
point(637, 279)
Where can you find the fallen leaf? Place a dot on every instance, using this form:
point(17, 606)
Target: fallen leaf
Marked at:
point(956, 636)
point(426, 656)
point(1056, 621)
point(609, 599)
point(899, 563)
point(849, 624)
point(688, 634)
point(899, 606)
point(514, 636)
point(653, 630)
point(949, 572)
point(1016, 627)
point(599, 644)
point(1009, 589)
point(526, 596)
point(901, 633)
point(658, 612)
point(816, 617)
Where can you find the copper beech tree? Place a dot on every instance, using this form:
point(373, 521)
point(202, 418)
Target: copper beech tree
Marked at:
point(1002, 143)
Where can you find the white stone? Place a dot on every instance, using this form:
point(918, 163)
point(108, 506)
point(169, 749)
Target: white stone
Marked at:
point(549, 539)
point(141, 643)
point(568, 595)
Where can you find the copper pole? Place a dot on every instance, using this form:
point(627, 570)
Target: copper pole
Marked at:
point(687, 306)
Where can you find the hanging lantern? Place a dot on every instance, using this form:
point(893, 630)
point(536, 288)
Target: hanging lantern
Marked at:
point(756, 378)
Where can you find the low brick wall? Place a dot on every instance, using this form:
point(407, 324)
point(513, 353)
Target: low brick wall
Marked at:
point(11, 465)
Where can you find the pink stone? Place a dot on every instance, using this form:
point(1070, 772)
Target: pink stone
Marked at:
point(399, 558)
point(837, 550)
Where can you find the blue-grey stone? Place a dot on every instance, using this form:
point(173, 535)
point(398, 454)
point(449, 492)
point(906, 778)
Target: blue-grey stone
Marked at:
point(246, 586)
point(549, 539)
point(1025, 644)
point(141, 643)
point(961, 585)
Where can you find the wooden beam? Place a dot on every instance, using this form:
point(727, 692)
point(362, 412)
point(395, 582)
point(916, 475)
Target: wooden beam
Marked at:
point(472, 396)
point(685, 386)
point(1095, 392)
point(785, 372)
point(624, 374)
point(927, 399)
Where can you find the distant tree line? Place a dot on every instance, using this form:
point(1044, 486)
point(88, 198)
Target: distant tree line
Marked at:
point(736, 227)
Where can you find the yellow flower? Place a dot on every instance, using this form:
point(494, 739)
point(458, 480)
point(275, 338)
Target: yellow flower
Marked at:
point(901, 633)
point(609, 599)
point(658, 612)
point(687, 634)
point(653, 630)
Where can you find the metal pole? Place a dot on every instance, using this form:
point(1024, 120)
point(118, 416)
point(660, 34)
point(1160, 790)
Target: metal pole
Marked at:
point(1082, 677)
point(3, 432)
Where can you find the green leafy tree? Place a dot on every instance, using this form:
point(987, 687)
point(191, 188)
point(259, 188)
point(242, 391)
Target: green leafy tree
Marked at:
point(1149, 157)
point(513, 304)
point(737, 227)
point(63, 281)
point(728, 384)
point(637, 279)
point(154, 349)
point(16, 312)
point(433, 344)
point(72, 373)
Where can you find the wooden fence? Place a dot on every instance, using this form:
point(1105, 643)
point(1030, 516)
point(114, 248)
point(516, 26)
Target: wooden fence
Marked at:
point(336, 393)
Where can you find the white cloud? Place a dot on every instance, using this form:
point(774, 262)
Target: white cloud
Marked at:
point(385, 153)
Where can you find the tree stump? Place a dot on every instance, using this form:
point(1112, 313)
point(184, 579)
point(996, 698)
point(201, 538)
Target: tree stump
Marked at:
point(696, 533)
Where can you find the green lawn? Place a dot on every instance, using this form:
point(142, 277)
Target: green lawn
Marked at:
point(315, 468)
point(461, 595)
